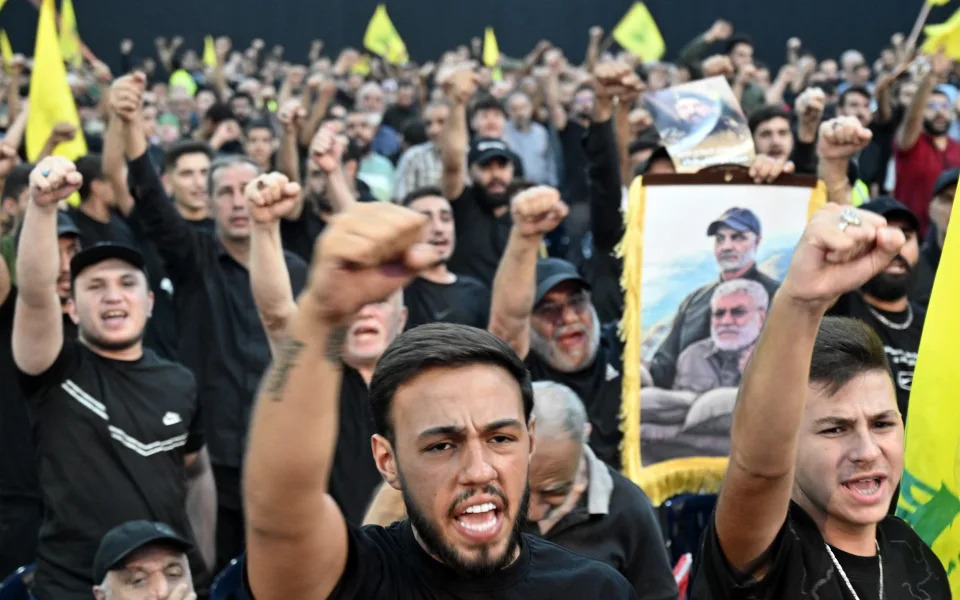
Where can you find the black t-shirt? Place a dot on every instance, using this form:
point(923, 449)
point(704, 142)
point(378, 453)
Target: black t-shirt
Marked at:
point(901, 346)
point(481, 238)
point(465, 301)
point(354, 476)
point(598, 385)
point(396, 117)
point(800, 567)
point(111, 437)
point(300, 235)
point(388, 563)
point(205, 225)
point(18, 459)
point(574, 187)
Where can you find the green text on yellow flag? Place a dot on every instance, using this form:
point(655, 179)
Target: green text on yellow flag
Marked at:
point(382, 38)
point(69, 35)
point(51, 100)
point(944, 36)
point(638, 33)
point(930, 489)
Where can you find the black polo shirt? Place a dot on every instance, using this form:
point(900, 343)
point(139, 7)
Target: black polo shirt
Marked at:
point(354, 476)
point(801, 568)
point(465, 301)
point(692, 324)
point(598, 386)
point(481, 237)
point(222, 340)
point(389, 563)
point(111, 437)
point(300, 235)
point(613, 522)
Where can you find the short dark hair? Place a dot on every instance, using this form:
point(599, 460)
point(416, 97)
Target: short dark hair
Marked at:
point(767, 113)
point(486, 102)
point(90, 168)
point(736, 40)
point(439, 345)
point(845, 348)
point(178, 149)
point(17, 180)
point(259, 124)
point(414, 132)
point(855, 89)
point(242, 94)
point(219, 112)
point(427, 191)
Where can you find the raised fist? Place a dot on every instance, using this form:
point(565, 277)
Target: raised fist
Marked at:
point(459, 83)
point(718, 64)
point(537, 211)
point(126, 96)
point(842, 137)
point(291, 115)
point(596, 32)
point(554, 59)
point(366, 253)
point(53, 179)
point(126, 46)
point(295, 75)
point(897, 39)
point(810, 104)
point(747, 74)
point(226, 131)
point(617, 79)
point(257, 44)
point(222, 47)
point(102, 72)
point(841, 249)
point(719, 31)
point(270, 197)
point(326, 148)
point(940, 64)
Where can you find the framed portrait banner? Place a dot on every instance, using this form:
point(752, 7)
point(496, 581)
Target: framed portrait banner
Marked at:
point(703, 255)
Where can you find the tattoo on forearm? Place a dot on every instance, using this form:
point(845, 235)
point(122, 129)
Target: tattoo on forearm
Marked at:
point(335, 345)
point(287, 354)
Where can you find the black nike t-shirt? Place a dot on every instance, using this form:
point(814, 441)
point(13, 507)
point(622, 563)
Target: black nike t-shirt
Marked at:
point(900, 345)
point(466, 301)
point(111, 437)
point(481, 237)
point(598, 386)
point(800, 567)
point(354, 476)
point(388, 563)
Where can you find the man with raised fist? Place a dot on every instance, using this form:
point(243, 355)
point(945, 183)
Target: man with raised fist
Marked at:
point(452, 408)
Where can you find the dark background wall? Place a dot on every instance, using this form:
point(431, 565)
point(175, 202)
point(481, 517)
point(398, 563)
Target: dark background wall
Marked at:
point(827, 27)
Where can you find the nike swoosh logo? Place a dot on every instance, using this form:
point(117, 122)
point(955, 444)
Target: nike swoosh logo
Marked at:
point(443, 314)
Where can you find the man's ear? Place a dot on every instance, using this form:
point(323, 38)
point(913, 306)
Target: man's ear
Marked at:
point(72, 311)
point(385, 459)
point(531, 432)
point(587, 430)
point(99, 593)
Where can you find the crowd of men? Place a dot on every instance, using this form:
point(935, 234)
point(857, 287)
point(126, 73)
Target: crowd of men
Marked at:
point(290, 287)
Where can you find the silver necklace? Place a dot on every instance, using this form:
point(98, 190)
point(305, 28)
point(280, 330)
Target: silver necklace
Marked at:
point(891, 324)
point(843, 574)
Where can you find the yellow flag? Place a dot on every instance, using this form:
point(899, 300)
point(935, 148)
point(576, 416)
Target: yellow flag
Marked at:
point(938, 2)
point(362, 66)
point(51, 100)
point(6, 51)
point(209, 52)
point(2, 2)
point(930, 490)
point(944, 35)
point(383, 39)
point(637, 32)
point(491, 50)
point(69, 35)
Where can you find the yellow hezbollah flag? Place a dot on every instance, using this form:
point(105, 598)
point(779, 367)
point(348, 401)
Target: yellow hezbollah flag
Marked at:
point(209, 52)
point(70, 35)
point(2, 2)
point(51, 100)
point(383, 39)
point(637, 32)
point(6, 51)
point(944, 36)
point(938, 2)
point(930, 489)
point(491, 50)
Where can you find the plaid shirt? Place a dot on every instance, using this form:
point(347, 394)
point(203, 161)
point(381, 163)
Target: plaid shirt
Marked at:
point(419, 166)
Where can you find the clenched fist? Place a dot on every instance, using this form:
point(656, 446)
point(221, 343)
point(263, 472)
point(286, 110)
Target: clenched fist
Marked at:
point(326, 149)
point(126, 96)
point(270, 197)
point(766, 169)
point(537, 211)
point(459, 83)
point(718, 64)
point(366, 253)
point(810, 104)
point(291, 115)
point(53, 179)
point(842, 137)
point(8, 159)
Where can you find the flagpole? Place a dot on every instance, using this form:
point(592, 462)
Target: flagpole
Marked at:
point(915, 34)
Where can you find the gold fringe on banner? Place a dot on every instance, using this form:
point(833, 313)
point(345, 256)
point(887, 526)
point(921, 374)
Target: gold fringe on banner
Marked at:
point(630, 250)
point(818, 198)
point(693, 475)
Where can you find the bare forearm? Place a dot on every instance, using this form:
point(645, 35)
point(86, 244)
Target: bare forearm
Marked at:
point(15, 132)
point(339, 192)
point(38, 256)
point(13, 97)
point(453, 146)
point(513, 292)
point(270, 281)
point(201, 507)
point(834, 175)
point(913, 121)
point(774, 94)
point(288, 158)
point(136, 142)
point(552, 95)
point(622, 127)
point(320, 108)
point(115, 165)
point(593, 53)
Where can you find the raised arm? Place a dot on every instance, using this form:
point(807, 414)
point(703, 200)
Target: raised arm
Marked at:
point(840, 140)
point(326, 90)
point(270, 197)
point(755, 495)
point(291, 520)
point(38, 316)
point(459, 86)
point(692, 53)
point(13, 87)
point(595, 35)
point(291, 116)
point(114, 165)
point(536, 212)
point(909, 132)
point(326, 151)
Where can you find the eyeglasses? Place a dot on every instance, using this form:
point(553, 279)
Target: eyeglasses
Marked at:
point(554, 311)
point(737, 312)
point(938, 106)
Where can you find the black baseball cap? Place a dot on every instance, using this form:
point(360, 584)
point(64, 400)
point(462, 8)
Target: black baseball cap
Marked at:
point(125, 539)
point(551, 272)
point(890, 209)
point(738, 219)
point(946, 179)
point(484, 149)
point(65, 225)
point(102, 251)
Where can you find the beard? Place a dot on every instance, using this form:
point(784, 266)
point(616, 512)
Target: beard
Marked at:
point(548, 350)
point(97, 341)
point(891, 286)
point(493, 200)
point(433, 540)
point(362, 146)
point(746, 335)
point(933, 129)
point(320, 202)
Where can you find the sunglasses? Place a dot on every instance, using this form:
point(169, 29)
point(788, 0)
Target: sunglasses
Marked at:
point(738, 312)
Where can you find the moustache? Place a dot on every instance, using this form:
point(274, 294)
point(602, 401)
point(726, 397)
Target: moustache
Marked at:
point(488, 489)
point(902, 262)
point(567, 330)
